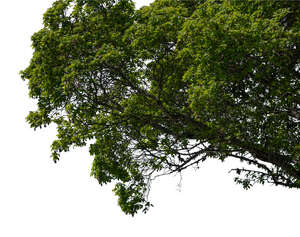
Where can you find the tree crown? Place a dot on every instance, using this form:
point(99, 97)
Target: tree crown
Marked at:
point(156, 90)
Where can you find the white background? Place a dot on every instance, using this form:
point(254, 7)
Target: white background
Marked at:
point(39, 198)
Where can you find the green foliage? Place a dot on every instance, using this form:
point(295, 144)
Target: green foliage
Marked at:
point(159, 89)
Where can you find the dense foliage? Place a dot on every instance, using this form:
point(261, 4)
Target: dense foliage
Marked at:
point(156, 90)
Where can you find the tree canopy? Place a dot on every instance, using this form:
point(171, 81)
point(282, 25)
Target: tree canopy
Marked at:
point(155, 90)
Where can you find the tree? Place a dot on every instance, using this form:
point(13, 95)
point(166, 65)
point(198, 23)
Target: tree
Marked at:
point(156, 90)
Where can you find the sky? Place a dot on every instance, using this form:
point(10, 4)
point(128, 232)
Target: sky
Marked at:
point(41, 198)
